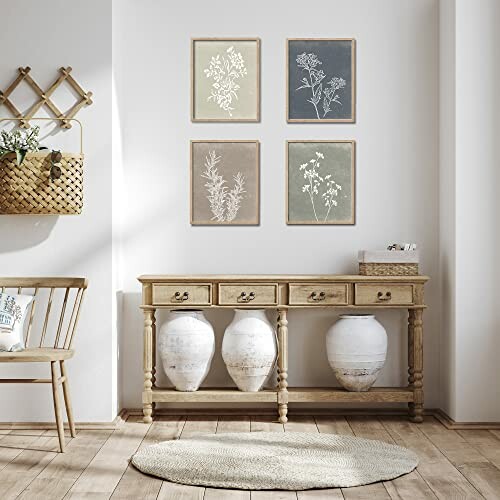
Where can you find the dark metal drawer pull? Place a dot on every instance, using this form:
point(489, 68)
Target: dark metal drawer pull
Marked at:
point(181, 297)
point(318, 297)
point(247, 298)
point(380, 296)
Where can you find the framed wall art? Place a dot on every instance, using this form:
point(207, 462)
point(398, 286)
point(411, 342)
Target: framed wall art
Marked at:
point(225, 182)
point(320, 182)
point(321, 80)
point(225, 79)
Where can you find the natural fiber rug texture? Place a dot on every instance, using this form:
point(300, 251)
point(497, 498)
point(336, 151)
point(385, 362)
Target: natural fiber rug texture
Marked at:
point(273, 460)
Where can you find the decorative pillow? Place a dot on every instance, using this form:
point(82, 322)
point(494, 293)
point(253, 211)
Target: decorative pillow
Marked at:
point(12, 313)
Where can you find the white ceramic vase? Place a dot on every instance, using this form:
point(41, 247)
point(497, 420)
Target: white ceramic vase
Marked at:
point(356, 347)
point(186, 347)
point(249, 349)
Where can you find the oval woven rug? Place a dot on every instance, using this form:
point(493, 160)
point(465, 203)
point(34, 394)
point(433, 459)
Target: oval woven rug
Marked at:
point(274, 460)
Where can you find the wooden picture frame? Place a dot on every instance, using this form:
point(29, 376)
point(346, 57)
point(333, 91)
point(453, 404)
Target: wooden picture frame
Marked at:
point(248, 161)
point(349, 174)
point(350, 69)
point(248, 93)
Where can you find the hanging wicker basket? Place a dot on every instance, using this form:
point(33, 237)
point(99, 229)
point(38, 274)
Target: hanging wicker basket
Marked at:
point(29, 188)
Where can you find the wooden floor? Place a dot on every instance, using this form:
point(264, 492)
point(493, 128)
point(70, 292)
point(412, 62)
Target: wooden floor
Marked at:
point(453, 464)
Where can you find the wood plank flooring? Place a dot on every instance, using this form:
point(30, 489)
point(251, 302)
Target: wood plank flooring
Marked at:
point(453, 464)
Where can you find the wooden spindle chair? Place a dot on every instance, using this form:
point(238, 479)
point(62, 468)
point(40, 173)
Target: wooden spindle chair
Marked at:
point(56, 334)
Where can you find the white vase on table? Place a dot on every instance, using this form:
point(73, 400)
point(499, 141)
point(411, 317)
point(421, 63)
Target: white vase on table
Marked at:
point(249, 349)
point(356, 347)
point(186, 346)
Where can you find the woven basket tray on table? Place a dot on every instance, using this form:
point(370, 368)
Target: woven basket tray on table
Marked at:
point(28, 189)
point(386, 269)
point(387, 263)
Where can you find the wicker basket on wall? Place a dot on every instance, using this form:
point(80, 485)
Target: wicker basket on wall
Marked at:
point(29, 190)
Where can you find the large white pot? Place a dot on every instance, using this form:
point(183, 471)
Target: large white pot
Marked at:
point(356, 346)
point(186, 346)
point(249, 349)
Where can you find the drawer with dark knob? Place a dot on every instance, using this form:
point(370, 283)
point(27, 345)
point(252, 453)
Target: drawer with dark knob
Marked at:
point(182, 294)
point(317, 294)
point(235, 294)
point(383, 294)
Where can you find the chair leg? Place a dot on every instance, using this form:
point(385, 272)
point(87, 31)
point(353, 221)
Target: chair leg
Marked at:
point(67, 400)
point(57, 405)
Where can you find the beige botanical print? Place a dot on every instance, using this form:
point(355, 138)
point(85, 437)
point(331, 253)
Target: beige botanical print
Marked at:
point(224, 204)
point(225, 70)
point(225, 182)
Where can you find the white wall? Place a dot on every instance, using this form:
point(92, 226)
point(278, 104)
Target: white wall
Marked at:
point(47, 35)
point(473, 343)
point(397, 162)
point(447, 197)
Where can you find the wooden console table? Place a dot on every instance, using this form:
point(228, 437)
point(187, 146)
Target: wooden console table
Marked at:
point(284, 292)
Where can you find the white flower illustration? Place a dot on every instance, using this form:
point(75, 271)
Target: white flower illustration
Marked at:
point(314, 182)
point(309, 63)
point(224, 71)
point(224, 204)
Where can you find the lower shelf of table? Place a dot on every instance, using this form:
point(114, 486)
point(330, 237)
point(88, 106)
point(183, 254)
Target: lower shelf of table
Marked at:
point(295, 395)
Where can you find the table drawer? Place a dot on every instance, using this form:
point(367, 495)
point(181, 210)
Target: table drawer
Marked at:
point(317, 294)
point(235, 294)
point(182, 294)
point(383, 294)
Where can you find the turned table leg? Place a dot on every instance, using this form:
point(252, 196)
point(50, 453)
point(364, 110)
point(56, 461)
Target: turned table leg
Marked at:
point(147, 394)
point(411, 357)
point(282, 365)
point(415, 324)
point(153, 358)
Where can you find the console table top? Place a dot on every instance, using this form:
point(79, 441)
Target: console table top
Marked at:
point(165, 278)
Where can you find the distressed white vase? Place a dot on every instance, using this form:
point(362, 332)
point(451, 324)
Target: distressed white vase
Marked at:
point(249, 349)
point(356, 347)
point(186, 347)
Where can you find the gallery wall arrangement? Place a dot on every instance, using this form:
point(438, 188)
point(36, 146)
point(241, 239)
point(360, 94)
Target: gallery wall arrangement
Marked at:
point(320, 175)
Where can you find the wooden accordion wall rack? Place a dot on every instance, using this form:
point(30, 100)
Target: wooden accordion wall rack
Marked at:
point(30, 188)
point(44, 97)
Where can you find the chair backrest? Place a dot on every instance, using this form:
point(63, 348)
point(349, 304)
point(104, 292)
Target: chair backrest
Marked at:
point(54, 310)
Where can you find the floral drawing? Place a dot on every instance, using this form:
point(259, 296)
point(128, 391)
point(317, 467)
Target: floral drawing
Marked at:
point(315, 182)
point(224, 203)
point(10, 313)
point(225, 70)
point(313, 80)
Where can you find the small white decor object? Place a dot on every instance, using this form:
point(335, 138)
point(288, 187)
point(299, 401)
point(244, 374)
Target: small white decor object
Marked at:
point(186, 346)
point(356, 347)
point(249, 349)
point(12, 313)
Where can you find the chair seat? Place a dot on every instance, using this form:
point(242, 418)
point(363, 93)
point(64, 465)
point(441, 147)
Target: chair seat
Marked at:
point(38, 354)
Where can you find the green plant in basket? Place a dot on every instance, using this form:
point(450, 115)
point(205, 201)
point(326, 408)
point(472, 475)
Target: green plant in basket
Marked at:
point(19, 142)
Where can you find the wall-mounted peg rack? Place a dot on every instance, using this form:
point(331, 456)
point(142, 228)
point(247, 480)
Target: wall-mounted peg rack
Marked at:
point(65, 75)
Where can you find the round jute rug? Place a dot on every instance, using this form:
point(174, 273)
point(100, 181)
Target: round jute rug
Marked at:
point(274, 460)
